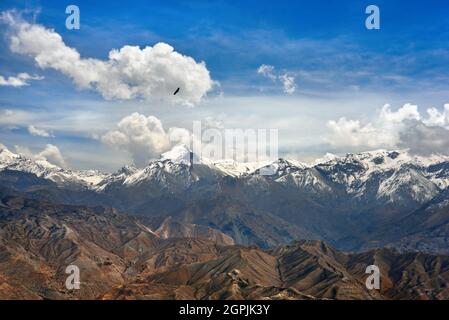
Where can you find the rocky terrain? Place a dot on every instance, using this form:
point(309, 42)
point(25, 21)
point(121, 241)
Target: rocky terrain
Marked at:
point(121, 257)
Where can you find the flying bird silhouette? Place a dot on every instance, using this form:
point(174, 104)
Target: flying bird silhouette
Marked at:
point(177, 90)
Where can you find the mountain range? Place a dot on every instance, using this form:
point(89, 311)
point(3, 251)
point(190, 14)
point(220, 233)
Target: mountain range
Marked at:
point(224, 230)
point(354, 202)
point(121, 257)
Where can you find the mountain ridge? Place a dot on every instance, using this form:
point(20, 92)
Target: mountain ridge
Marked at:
point(347, 201)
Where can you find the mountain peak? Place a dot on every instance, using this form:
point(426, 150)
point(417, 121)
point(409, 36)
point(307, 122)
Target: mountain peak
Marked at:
point(6, 155)
point(179, 154)
point(127, 170)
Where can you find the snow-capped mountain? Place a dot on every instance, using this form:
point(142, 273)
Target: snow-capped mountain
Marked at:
point(44, 169)
point(179, 154)
point(342, 199)
point(383, 174)
point(386, 174)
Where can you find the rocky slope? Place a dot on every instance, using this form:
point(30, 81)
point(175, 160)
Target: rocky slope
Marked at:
point(166, 228)
point(121, 257)
point(300, 270)
point(38, 240)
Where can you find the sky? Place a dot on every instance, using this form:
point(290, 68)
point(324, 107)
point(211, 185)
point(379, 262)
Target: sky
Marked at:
point(101, 96)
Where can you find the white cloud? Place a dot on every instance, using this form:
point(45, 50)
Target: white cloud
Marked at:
point(287, 80)
point(51, 153)
point(38, 132)
point(267, 71)
point(382, 132)
point(144, 137)
point(351, 133)
point(19, 80)
point(404, 128)
point(436, 118)
point(13, 117)
point(129, 72)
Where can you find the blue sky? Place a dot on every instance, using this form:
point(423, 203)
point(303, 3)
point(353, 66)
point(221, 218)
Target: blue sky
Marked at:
point(340, 68)
point(236, 38)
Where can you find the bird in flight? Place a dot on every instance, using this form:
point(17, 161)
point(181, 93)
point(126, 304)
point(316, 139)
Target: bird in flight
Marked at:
point(177, 90)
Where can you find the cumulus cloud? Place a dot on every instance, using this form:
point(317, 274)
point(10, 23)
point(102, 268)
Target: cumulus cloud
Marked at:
point(287, 80)
point(129, 72)
point(19, 80)
point(403, 128)
point(437, 118)
point(144, 137)
point(267, 71)
point(424, 139)
point(288, 83)
point(38, 132)
point(51, 153)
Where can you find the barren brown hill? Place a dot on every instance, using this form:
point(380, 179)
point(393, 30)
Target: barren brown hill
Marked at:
point(167, 227)
point(301, 270)
point(121, 257)
point(38, 240)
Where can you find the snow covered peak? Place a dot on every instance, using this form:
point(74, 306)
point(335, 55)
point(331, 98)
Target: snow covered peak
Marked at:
point(379, 158)
point(328, 157)
point(44, 169)
point(291, 163)
point(433, 159)
point(91, 177)
point(45, 164)
point(280, 167)
point(352, 171)
point(178, 154)
point(7, 156)
point(234, 168)
point(397, 174)
point(386, 159)
point(126, 170)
